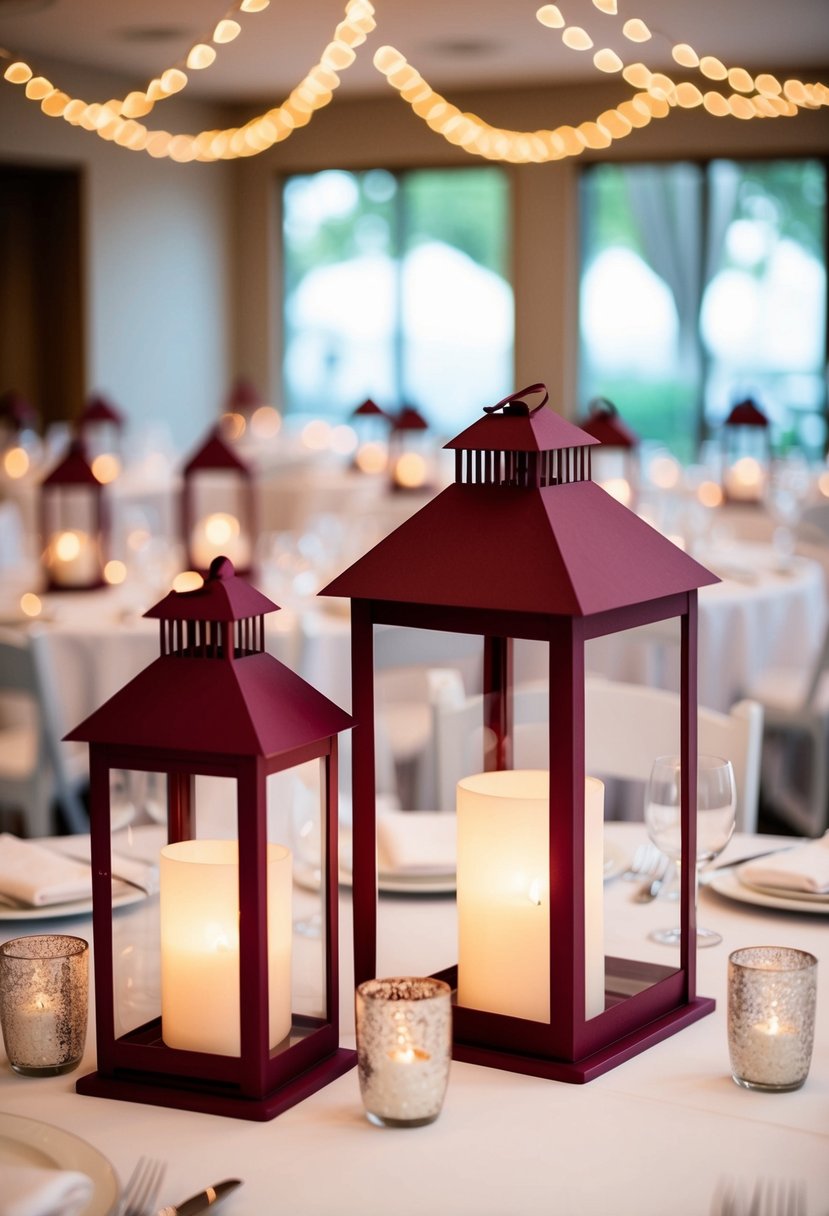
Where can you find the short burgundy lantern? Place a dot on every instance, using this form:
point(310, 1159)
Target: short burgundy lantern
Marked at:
point(525, 546)
point(74, 524)
point(371, 425)
point(101, 427)
point(746, 454)
point(217, 507)
point(410, 455)
point(248, 1017)
point(615, 463)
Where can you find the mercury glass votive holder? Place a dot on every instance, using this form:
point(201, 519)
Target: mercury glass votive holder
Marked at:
point(404, 1045)
point(44, 1001)
point(772, 992)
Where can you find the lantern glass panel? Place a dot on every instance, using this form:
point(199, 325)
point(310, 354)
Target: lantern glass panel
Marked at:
point(220, 518)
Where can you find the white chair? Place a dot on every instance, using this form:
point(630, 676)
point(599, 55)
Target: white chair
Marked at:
point(795, 765)
point(36, 769)
point(626, 727)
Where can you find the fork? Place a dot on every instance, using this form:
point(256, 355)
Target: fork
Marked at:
point(645, 863)
point(768, 1198)
point(142, 1187)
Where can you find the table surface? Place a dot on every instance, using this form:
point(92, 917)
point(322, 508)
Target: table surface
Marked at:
point(653, 1137)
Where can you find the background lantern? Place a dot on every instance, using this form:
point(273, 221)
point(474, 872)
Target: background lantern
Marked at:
point(746, 454)
point(410, 453)
point(525, 546)
point(74, 524)
point(101, 427)
point(240, 1030)
point(217, 507)
point(371, 425)
point(615, 463)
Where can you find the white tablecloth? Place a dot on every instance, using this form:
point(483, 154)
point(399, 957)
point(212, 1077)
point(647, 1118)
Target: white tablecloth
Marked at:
point(651, 1138)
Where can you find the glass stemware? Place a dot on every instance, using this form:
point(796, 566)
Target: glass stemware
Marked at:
point(716, 804)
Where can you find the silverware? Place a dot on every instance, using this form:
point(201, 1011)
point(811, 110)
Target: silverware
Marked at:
point(646, 861)
point(142, 1187)
point(649, 890)
point(726, 865)
point(203, 1200)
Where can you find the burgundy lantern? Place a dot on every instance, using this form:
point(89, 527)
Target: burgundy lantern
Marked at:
point(74, 524)
point(101, 427)
point(615, 464)
point(248, 1017)
point(746, 454)
point(525, 546)
point(19, 442)
point(410, 456)
point(17, 414)
point(371, 425)
point(218, 507)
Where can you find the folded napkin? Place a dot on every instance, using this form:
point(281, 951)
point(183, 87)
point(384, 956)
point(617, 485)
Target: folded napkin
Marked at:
point(805, 868)
point(416, 842)
point(27, 1190)
point(37, 876)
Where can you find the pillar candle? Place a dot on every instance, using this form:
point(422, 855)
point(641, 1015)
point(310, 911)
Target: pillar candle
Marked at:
point(219, 535)
point(74, 559)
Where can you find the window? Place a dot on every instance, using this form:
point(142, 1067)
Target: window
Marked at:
point(396, 288)
point(701, 285)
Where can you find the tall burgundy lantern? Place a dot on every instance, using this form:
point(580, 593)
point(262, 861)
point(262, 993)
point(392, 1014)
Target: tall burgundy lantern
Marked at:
point(525, 546)
point(74, 524)
point(746, 453)
point(218, 507)
point(101, 427)
point(410, 452)
point(615, 463)
point(246, 1023)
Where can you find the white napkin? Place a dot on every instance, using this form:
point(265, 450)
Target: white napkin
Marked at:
point(37, 876)
point(416, 842)
point(805, 868)
point(26, 1190)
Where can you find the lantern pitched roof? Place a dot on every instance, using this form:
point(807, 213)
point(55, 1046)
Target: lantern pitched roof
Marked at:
point(409, 419)
point(254, 706)
point(223, 596)
point(214, 453)
point(538, 430)
point(99, 409)
point(369, 408)
point(73, 469)
point(746, 413)
point(605, 424)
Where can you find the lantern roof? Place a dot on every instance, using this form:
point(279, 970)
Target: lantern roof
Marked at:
point(746, 413)
point(223, 596)
point(17, 409)
point(409, 419)
point(73, 468)
point(511, 425)
point(99, 409)
point(522, 530)
point(605, 424)
point(214, 453)
point(369, 408)
point(193, 698)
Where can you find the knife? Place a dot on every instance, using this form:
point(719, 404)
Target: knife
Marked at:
point(727, 865)
point(204, 1200)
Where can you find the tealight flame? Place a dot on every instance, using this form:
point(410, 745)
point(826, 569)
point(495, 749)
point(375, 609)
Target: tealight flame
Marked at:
point(106, 468)
point(265, 422)
point(709, 494)
point(410, 470)
point(747, 472)
point(115, 572)
point(188, 580)
point(220, 528)
point(67, 546)
point(16, 462)
point(534, 892)
point(31, 604)
point(373, 458)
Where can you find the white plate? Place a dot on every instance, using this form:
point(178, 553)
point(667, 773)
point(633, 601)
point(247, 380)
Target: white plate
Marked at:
point(729, 885)
point(76, 907)
point(29, 1142)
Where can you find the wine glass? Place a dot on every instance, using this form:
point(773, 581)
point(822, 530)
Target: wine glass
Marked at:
point(716, 804)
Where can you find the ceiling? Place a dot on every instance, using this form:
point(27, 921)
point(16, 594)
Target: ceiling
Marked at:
point(453, 43)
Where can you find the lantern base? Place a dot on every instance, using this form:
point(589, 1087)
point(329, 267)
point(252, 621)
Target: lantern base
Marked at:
point(577, 1072)
point(156, 1091)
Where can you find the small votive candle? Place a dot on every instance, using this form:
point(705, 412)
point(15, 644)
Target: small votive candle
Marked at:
point(771, 1016)
point(44, 995)
point(404, 1045)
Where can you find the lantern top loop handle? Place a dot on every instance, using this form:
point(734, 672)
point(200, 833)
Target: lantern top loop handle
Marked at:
point(514, 403)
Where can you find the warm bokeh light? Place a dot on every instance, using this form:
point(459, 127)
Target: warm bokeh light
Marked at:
point(233, 425)
point(265, 422)
point(137, 539)
point(31, 604)
point(316, 434)
point(226, 30)
point(744, 479)
point(343, 440)
point(664, 472)
point(709, 494)
point(607, 61)
point(16, 462)
point(607, 6)
point(221, 528)
point(106, 467)
point(201, 56)
point(115, 572)
point(550, 16)
point(371, 457)
point(636, 30)
point(67, 546)
point(618, 488)
point(823, 484)
point(576, 38)
point(685, 55)
point(188, 580)
point(410, 470)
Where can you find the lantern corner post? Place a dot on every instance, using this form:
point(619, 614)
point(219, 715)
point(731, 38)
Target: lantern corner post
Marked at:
point(364, 782)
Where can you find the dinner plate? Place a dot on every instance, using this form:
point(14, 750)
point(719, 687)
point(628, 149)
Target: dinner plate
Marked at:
point(75, 907)
point(29, 1142)
point(729, 885)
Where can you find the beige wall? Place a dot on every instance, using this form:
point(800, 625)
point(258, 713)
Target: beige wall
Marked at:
point(383, 131)
point(157, 268)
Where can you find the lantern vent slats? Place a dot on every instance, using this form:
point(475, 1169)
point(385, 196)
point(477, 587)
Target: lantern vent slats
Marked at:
point(204, 639)
point(525, 470)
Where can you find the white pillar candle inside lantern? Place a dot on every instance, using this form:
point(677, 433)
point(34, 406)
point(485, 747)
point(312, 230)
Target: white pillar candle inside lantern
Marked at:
point(200, 945)
point(503, 894)
point(220, 534)
point(74, 559)
point(744, 480)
